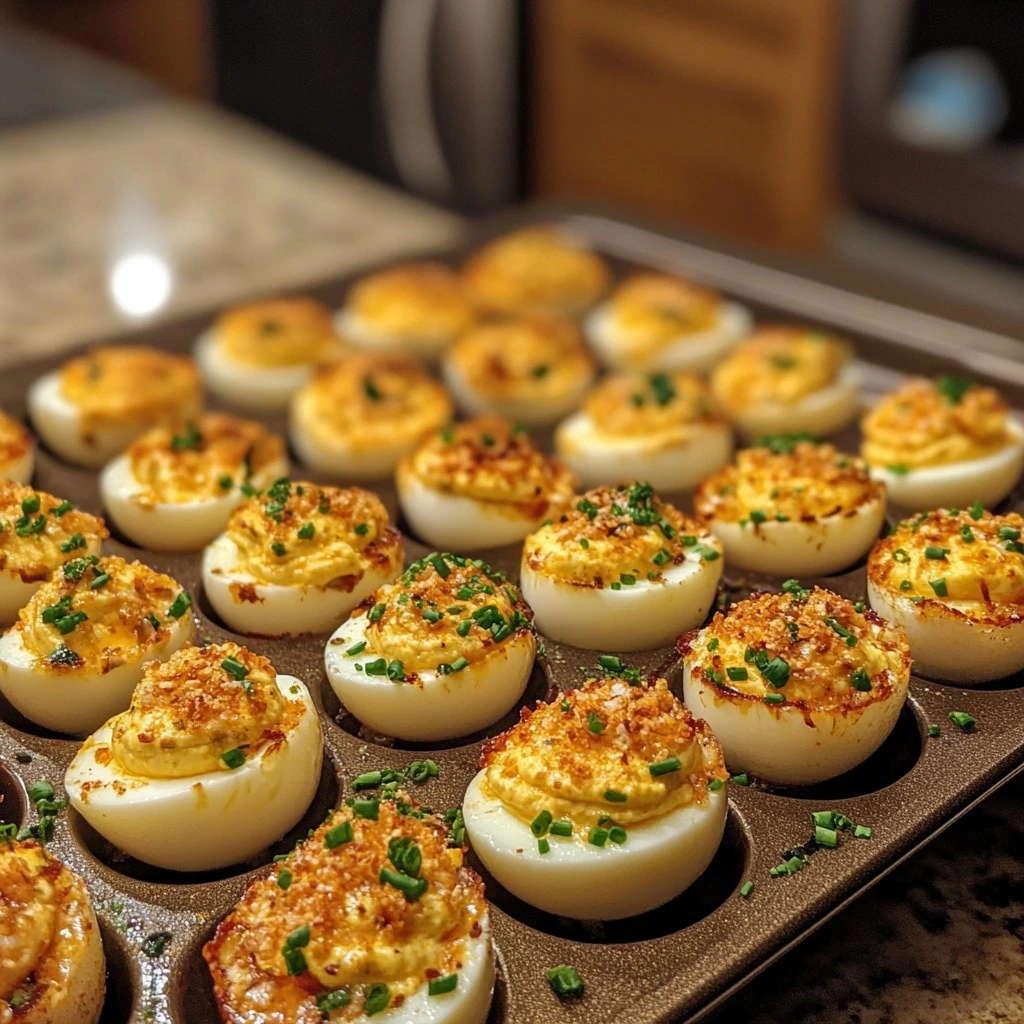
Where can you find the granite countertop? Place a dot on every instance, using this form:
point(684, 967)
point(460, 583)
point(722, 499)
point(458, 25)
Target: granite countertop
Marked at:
point(233, 211)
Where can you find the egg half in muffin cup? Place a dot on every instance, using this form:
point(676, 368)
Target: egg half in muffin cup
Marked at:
point(532, 370)
point(661, 322)
point(788, 380)
point(356, 419)
point(535, 270)
point(605, 803)
point(480, 484)
point(17, 451)
point(78, 648)
point(798, 687)
point(415, 950)
point(953, 580)
point(621, 570)
point(943, 443)
point(38, 534)
point(299, 558)
point(217, 757)
point(53, 970)
point(414, 309)
point(443, 652)
point(96, 404)
point(801, 508)
point(256, 356)
point(175, 487)
point(659, 427)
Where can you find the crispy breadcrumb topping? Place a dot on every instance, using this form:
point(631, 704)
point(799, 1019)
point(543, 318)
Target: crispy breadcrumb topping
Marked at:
point(277, 332)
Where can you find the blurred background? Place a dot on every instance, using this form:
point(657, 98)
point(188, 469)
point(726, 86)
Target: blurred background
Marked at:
point(886, 135)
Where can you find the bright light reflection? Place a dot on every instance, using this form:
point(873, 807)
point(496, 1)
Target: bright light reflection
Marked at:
point(140, 284)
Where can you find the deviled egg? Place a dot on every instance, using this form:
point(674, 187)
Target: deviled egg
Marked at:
point(78, 648)
point(801, 509)
point(788, 379)
point(38, 534)
point(946, 442)
point(356, 419)
point(175, 487)
point(533, 370)
point(660, 322)
point(660, 427)
point(480, 484)
point(416, 309)
point(96, 404)
point(17, 451)
point(798, 687)
point(217, 757)
point(620, 571)
point(535, 270)
point(258, 355)
point(299, 558)
point(373, 916)
point(954, 581)
point(605, 803)
point(53, 969)
point(443, 652)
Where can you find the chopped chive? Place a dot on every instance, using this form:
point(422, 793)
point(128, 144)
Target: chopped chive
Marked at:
point(968, 534)
point(976, 511)
point(335, 1000)
point(396, 671)
point(442, 986)
point(378, 998)
point(565, 981)
point(284, 879)
point(934, 730)
point(826, 836)
point(900, 555)
point(611, 662)
point(561, 828)
point(741, 780)
point(773, 698)
point(233, 758)
point(936, 553)
point(715, 785)
point(862, 832)
point(584, 543)
point(369, 808)
point(411, 888)
point(100, 581)
point(737, 675)
point(905, 585)
point(362, 529)
point(377, 667)
point(860, 680)
point(746, 889)
point(595, 724)
point(376, 612)
point(666, 767)
point(598, 836)
point(338, 836)
point(540, 825)
point(367, 780)
point(459, 664)
point(758, 515)
point(713, 644)
point(614, 796)
point(543, 846)
point(939, 586)
point(180, 605)
point(234, 668)
point(963, 721)
point(73, 543)
point(356, 649)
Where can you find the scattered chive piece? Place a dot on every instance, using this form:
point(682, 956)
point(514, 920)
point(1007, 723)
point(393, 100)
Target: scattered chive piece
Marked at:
point(905, 585)
point(376, 612)
point(737, 674)
point(1009, 533)
point(715, 785)
point(598, 836)
point(860, 680)
point(617, 834)
point(225, 483)
point(378, 997)
point(898, 470)
point(936, 553)
point(180, 605)
point(939, 586)
point(377, 667)
point(41, 791)
point(610, 661)
point(369, 808)
point(976, 511)
point(627, 579)
point(594, 723)
point(284, 879)
point(666, 767)
point(862, 832)
point(30, 505)
point(73, 543)
point(356, 649)
point(776, 671)
point(100, 581)
point(561, 828)
point(746, 889)
point(543, 846)
point(338, 836)
point(459, 664)
point(367, 780)
point(411, 888)
point(826, 836)
point(741, 780)
point(968, 534)
point(713, 644)
point(584, 543)
point(614, 796)
point(233, 758)
point(306, 531)
point(824, 819)
point(362, 529)
point(294, 960)
point(963, 721)
point(396, 671)
point(934, 730)
point(615, 585)
point(900, 555)
point(442, 986)
point(773, 698)
point(541, 824)
point(335, 1000)
point(565, 981)
point(758, 515)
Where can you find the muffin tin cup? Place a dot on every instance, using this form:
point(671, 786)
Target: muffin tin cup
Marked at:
point(674, 963)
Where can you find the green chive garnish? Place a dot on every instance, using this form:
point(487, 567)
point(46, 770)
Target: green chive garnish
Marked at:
point(565, 981)
point(356, 649)
point(614, 796)
point(442, 986)
point(233, 758)
point(963, 721)
point(595, 724)
point(666, 767)
point(540, 825)
point(939, 586)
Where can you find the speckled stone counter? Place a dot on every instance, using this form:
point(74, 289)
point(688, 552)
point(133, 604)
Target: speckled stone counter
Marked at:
point(232, 212)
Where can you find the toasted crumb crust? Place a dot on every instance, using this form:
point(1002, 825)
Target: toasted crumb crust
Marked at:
point(288, 331)
point(803, 485)
point(803, 638)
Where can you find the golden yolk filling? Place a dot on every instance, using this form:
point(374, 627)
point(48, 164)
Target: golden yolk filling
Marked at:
point(972, 560)
point(579, 756)
point(650, 311)
point(15, 440)
point(370, 401)
point(535, 270)
point(812, 648)
point(935, 423)
point(779, 364)
point(28, 911)
point(490, 460)
point(538, 357)
point(414, 300)
point(187, 712)
point(667, 406)
point(616, 532)
point(303, 534)
point(97, 614)
point(444, 607)
point(130, 384)
point(201, 458)
point(277, 333)
point(39, 532)
point(808, 482)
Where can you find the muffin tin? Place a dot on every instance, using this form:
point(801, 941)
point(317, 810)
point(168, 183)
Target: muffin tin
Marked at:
point(673, 964)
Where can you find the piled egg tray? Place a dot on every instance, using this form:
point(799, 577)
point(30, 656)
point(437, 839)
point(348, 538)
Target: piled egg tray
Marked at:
point(672, 964)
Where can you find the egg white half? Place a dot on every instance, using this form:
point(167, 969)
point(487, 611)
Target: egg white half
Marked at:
point(785, 743)
point(646, 615)
point(242, 385)
point(821, 412)
point(15, 593)
point(279, 610)
point(599, 458)
point(949, 647)
point(435, 707)
point(959, 484)
point(20, 470)
point(795, 548)
point(696, 351)
point(173, 526)
point(532, 411)
point(208, 821)
point(73, 701)
point(59, 423)
point(659, 860)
